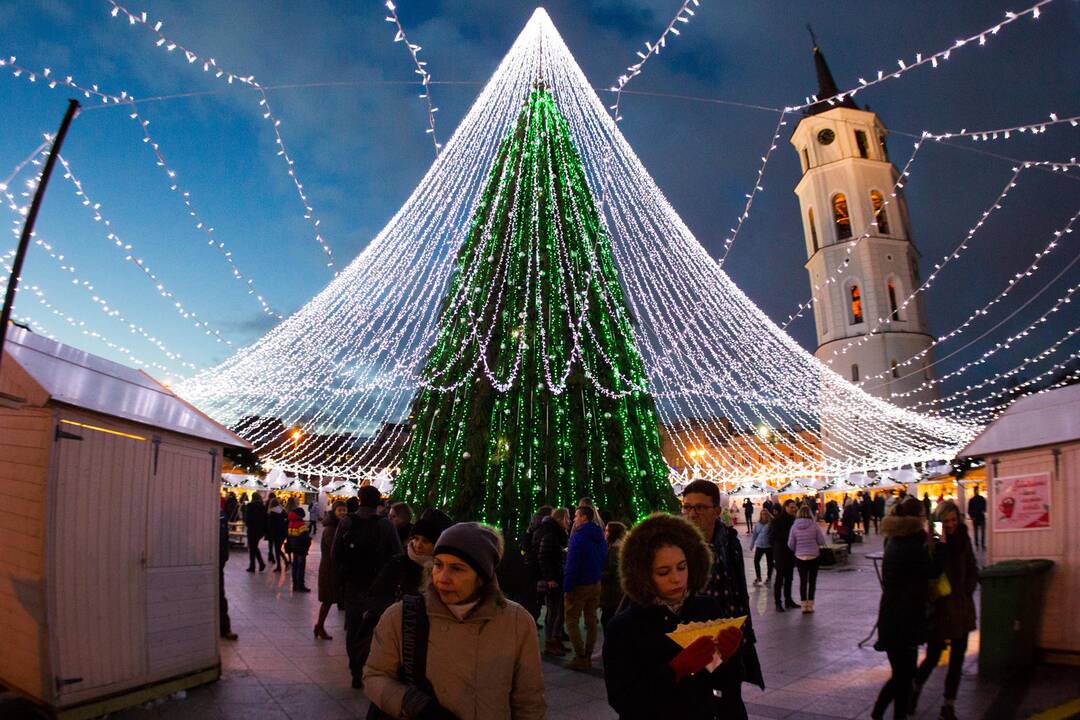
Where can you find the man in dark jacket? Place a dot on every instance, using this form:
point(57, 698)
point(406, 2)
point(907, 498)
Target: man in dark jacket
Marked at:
point(534, 596)
point(866, 511)
point(550, 540)
point(362, 546)
point(783, 557)
point(849, 521)
point(255, 524)
point(581, 584)
point(879, 511)
point(727, 585)
point(976, 509)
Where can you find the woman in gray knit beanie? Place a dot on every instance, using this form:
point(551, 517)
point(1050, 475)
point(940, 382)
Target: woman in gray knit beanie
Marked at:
point(483, 656)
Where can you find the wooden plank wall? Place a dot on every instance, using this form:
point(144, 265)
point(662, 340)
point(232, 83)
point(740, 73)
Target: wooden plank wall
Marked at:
point(98, 554)
point(181, 611)
point(25, 444)
point(1060, 629)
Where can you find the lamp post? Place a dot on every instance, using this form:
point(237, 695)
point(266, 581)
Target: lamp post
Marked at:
point(31, 217)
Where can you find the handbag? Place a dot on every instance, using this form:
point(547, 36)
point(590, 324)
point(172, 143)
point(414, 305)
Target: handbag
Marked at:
point(940, 587)
point(414, 641)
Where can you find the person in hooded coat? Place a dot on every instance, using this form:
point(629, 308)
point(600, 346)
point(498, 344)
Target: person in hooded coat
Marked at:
point(277, 532)
point(665, 563)
point(952, 617)
point(783, 558)
point(907, 567)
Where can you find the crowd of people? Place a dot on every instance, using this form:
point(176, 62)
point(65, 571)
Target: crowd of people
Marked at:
point(430, 633)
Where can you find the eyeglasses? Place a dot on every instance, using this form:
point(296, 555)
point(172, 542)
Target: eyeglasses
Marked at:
point(687, 509)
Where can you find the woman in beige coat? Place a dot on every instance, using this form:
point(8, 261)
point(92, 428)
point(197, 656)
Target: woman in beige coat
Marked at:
point(482, 652)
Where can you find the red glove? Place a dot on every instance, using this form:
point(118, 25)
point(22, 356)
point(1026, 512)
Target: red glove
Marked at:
point(694, 658)
point(728, 641)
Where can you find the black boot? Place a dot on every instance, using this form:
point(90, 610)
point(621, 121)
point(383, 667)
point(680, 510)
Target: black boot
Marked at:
point(779, 607)
point(791, 604)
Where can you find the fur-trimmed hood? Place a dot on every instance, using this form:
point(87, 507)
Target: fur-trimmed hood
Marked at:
point(901, 525)
point(657, 530)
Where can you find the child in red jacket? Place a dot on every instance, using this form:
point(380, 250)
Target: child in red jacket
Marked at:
point(299, 544)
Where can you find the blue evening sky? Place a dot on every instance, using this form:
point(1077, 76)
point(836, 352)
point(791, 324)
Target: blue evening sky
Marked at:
point(356, 133)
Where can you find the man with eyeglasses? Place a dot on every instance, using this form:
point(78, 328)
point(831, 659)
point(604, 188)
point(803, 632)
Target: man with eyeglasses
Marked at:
point(727, 583)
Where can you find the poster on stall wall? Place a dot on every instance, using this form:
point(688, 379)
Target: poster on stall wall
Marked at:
point(1022, 502)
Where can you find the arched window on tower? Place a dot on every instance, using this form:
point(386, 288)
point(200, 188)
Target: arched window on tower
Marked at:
point(805, 160)
point(841, 217)
point(861, 144)
point(813, 228)
point(856, 316)
point(894, 309)
point(877, 203)
point(854, 372)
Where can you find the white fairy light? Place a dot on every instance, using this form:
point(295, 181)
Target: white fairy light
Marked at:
point(129, 255)
point(1004, 133)
point(210, 66)
point(348, 363)
point(421, 70)
point(174, 186)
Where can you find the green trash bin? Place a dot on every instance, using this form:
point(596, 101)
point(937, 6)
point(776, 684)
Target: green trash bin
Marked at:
point(1011, 612)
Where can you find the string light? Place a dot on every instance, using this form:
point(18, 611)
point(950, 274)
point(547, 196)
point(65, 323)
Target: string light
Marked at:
point(1005, 133)
point(919, 60)
point(174, 186)
point(344, 367)
point(210, 66)
point(129, 256)
point(421, 70)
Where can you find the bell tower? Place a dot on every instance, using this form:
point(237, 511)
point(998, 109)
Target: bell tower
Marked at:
point(862, 261)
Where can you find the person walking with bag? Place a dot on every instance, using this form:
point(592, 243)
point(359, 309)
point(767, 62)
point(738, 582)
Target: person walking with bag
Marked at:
point(952, 613)
point(907, 568)
point(665, 563)
point(363, 544)
point(805, 540)
point(462, 651)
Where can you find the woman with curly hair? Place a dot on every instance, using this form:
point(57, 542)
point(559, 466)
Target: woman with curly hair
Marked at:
point(664, 562)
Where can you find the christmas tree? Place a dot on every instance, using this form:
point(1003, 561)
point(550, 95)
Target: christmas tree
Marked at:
point(534, 392)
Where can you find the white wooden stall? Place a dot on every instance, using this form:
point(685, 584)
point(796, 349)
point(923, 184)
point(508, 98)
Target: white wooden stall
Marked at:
point(109, 580)
point(1032, 454)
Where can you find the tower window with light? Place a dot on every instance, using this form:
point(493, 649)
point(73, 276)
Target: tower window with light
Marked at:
point(841, 218)
point(856, 305)
point(877, 203)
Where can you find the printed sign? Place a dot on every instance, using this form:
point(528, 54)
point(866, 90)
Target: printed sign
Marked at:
point(1021, 502)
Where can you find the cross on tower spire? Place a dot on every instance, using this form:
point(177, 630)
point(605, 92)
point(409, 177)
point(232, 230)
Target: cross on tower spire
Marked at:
point(827, 86)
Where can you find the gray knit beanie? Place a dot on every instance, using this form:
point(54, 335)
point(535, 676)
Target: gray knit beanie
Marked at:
point(479, 545)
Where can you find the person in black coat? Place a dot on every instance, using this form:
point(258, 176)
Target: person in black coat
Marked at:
point(277, 532)
point(952, 617)
point(783, 557)
point(551, 539)
point(866, 511)
point(976, 508)
point(907, 567)
point(664, 563)
point(848, 522)
point(832, 514)
point(255, 524)
point(879, 511)
point(224, 623)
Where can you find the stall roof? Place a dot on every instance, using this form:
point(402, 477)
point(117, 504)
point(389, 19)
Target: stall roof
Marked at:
point(67, 375)
point(1034, 421)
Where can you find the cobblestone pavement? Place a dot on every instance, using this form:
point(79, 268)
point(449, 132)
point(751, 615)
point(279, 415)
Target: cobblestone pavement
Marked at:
point(813, 666)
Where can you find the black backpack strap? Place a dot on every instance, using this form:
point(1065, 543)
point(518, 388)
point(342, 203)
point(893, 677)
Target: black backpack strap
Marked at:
point(414, 641)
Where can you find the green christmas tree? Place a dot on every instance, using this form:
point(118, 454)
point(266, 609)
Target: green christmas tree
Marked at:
point(534, 292)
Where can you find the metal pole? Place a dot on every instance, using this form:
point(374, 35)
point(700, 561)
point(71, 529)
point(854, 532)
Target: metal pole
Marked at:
point(28, 227)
